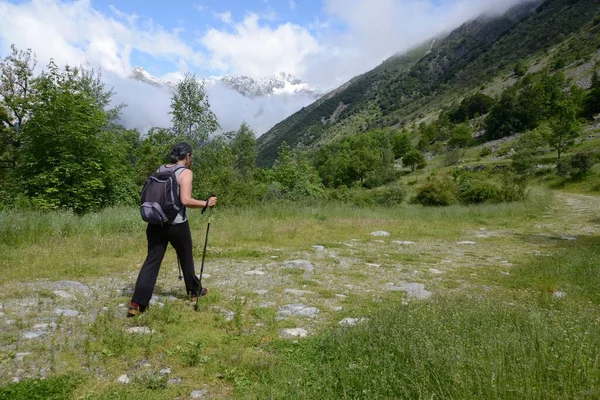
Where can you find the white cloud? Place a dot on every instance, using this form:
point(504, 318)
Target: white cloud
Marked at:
point(75, 33)
point(224, 16)
point(258, 50)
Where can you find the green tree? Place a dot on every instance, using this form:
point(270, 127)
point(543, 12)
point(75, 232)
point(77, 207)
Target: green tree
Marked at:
point(534, 139)
point(520, 68)
point(244, 150)
point(294, 178)
point(591, 104)
point(190, 110)
point(414, 159)
point(16, 101)
point(565, 127)
point(64, 164)
point(461, 136)
point(401, 144)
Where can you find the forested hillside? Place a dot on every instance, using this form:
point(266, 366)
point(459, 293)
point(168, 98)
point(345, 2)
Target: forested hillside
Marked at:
point(406, 88)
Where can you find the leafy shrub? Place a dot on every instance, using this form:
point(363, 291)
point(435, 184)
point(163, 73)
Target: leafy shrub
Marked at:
point(485, 151)
point(523, 162)
point(439, 191)
point(514, 188)
point(475, 191)
point(578, 166)
point(452, 157)
point(388, 196)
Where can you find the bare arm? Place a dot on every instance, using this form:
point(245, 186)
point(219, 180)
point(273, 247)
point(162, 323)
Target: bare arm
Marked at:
point(185, 192)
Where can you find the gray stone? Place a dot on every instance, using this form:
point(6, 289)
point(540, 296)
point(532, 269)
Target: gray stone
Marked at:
point(64, 294)
point(559, 294)
point(34, 334)
point(416, 290)
point(66, 285)
point(467, 242)
point(254, 272)
point(403, 242)
point(297, 310)
point(380, 233)
point(65, 312)
point(199, 394)
point(293, 333)
point(139, 329)
point(297, 292)
point(337, 308)
point(435, 271)
point(124, 379)
point(318, 248)
point(303, 264)
point(351, 321)
point(569, 238)
point(165, 371)
point(20, 356)
point(373, 265)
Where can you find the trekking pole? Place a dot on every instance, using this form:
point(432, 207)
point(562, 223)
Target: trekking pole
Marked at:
point(180, 271)
point(202, 292)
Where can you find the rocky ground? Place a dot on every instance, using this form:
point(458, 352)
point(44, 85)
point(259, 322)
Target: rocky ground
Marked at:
point(302, 292)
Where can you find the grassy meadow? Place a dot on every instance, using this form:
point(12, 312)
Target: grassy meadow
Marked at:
point(514, 310)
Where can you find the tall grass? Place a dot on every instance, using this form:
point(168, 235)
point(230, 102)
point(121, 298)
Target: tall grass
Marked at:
point(506, 345)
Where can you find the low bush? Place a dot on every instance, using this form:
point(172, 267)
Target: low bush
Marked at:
point(439, 191)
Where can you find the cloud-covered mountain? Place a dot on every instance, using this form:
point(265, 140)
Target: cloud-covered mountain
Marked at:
point(234, 99)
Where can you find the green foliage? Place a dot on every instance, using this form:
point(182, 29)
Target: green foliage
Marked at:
point(472, 107)
point(534, 139)
point(438, 191)
point(292, 177)
point(592, 100)
point(475, 190)
point(452, 157)
point(485, 151)
point(55, 388)
point(461, 136)
point(385, 196)
point(523, 162)
point(578, 166)
point(414, 159)
point(401, 144)
point(520, 68)
point(190, 108)
point(63, 154)
point(565, 126)
point(243, 146)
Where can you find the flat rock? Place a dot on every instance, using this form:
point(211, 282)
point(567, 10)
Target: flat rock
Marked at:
point(261, 292)
point(351, 321)
point(199, 394)
point(124, 379)
point(254, 272)
point(144, 330)
point(174, 381)
point(66, 312)
point(64, 294)
point(297, 310)
point(569, 238)
point(66, 285)
point(33, 334)
point(403, 242)
point(293, 333)
point(559, 294)
point(297, 292)
point(20, 356)
point(435, 271)
point(467, 242)
point(318, 248)
point(165, 371)
point(416, 290)
point(303, 264)
point(380, 233)
point(373, 265)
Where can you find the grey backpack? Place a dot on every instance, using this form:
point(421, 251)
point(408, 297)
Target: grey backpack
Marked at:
point(160, 201)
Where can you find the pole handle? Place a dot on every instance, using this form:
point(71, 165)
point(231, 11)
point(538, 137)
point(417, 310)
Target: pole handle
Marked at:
point(206, 206)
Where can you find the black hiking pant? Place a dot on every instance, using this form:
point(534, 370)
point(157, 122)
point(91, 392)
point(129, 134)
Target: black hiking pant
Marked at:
point(180, 236)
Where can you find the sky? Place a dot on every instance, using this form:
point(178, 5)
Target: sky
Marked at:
point(324, 42)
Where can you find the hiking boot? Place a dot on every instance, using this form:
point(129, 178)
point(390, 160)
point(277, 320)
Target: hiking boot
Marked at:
point(135, 310)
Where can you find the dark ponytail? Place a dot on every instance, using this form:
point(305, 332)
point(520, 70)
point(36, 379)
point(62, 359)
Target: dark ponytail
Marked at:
point(180, 151)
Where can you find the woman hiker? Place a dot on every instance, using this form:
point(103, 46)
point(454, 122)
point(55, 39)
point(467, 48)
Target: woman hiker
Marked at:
point(177, 233)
